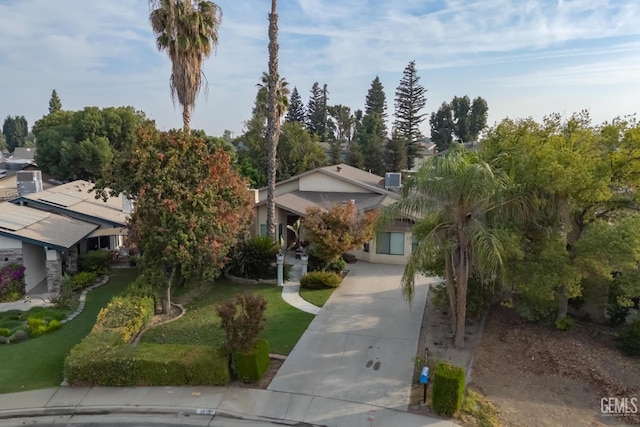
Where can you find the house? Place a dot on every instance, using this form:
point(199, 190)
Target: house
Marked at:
point(329, 185)
point(46, 231)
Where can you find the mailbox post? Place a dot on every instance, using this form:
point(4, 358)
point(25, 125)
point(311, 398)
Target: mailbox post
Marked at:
point(424, 380)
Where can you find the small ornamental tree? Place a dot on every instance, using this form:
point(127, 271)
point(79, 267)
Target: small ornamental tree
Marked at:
point(337, 230)
point(242, 320)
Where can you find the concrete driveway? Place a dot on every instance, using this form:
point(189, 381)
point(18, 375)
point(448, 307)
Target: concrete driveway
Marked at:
point(359, 348)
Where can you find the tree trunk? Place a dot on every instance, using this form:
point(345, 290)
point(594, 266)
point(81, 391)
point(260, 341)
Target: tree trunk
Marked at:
point(166, 306)
point(565, 217)
point(186, 119)
point(273, 122)
point(451, 292)
point(461, 308)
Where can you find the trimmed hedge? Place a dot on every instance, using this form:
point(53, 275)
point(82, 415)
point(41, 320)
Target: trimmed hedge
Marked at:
point(83, 279)
point(111, 364)
point(125, 316)
point(320, 280)
point(251, 367)
point(448, 389)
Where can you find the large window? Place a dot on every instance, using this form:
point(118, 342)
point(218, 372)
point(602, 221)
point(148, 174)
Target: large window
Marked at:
point(390, 243)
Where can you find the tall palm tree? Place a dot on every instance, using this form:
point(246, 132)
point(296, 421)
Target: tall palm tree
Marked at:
point(453, 197)
point(262, 98)
point(273, 121)
point(188, 31)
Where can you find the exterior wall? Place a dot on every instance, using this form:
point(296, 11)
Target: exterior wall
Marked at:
point(72, 259)
point(54, 271)
point(35, 265)
point(261, 215)
point(376, 258)
point(9, 243)
point(282, 188)
point(10, 251)
point(321, 182)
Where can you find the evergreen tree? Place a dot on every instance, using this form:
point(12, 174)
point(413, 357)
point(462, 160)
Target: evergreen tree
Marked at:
point(15, 130)
point(396, 155)
point(442, 127)
point(376, 101)
point(355, 157)
point(296, 111)
point(372, 142)
point(324, 128)
point(54, 103)
point(314, 110)
point(410, 100)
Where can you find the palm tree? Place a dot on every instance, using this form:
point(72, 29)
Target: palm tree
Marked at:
point(262, 98)
point(273, 120)
point(453, 197)
point(188, 31)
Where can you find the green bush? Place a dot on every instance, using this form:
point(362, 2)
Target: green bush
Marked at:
point(47, 313)
point(125, 315)
point(95, 261)
point(628, 339)
point(564, 324)
point(5, 332)
point(39, 326)
point(250, 367)
point(320, 280)
point(448, 389)
point(83, 279)
point(96, 362)
point(254, 258)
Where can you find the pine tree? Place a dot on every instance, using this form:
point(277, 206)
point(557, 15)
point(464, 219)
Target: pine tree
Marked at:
point(54, 103)
point(355, 157)
point(296, 111)
point(395, 153)
point(376, 101)
point(372, 141)
point(409, 101)
point(15, 130)
point(314, 110)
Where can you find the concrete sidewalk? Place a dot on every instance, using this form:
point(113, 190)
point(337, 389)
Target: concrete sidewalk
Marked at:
point(211, 402)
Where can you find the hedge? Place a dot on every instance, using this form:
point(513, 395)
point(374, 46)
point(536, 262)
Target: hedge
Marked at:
point(448, 389)
point(125, 315)
point(95, 261)
point(252, 366)
point(144, 365)
point(320, 280)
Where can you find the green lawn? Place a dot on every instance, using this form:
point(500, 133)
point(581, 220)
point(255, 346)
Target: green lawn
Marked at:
point(38, 363)
point(284, 326)
point(316, 296)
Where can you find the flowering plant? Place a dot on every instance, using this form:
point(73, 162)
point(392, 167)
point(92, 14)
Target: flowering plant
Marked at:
point(12, 284)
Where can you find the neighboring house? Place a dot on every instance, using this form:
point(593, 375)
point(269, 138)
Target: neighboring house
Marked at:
point(47, 230)
point(326, 186)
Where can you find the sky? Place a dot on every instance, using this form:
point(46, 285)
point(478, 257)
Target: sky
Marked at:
point(527, 58)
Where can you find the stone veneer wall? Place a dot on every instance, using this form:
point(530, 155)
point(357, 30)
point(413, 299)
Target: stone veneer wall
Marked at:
point(9, 256)
point(54, 275)
point(73, 259)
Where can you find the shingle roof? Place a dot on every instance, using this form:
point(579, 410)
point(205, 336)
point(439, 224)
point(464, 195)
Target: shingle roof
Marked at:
point(42, 228)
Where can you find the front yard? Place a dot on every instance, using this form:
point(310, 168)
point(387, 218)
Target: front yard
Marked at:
point(38, 363)
point(283, 328)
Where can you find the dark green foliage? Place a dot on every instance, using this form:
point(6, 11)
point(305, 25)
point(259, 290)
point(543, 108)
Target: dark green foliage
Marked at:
point(376, 101)
point(317, 110)
point(254, 258)
point(410, 100)
point(44, 313)
point(355, 157)
point(618, 306)
point(442, 125)
point(448, 389)
point(628, 339)
point(251, 366)
point(372, 140)
point(396, 153)
point(98, 362)
point(95, 261)
point(296, 111)
point(54, 103)
point(298, 151)
point(242, 320)
point(15, 131)
point(320, 280)
point(83, 279)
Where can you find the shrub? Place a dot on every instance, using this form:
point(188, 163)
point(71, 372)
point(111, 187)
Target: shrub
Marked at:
point(564, 324)
point(320, 280)
point(252, 366)
point(39, 326)
point(125, 316)
point(628, 339)
point(254, 258)
point(12, 284)
point(48, 313)
point(242, 320)
point(82, 280)
point(4, 340)
point(5, 332)
point(95, 261)
point(19, 336)
point(448, 389)
point(100, 360)
point(479, 296)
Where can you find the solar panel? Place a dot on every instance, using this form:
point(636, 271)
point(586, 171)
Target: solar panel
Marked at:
point(61, 199)
point(15, 218)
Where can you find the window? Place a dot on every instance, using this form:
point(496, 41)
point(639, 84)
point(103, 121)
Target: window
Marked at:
point(263, 230)
point(390, 243)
